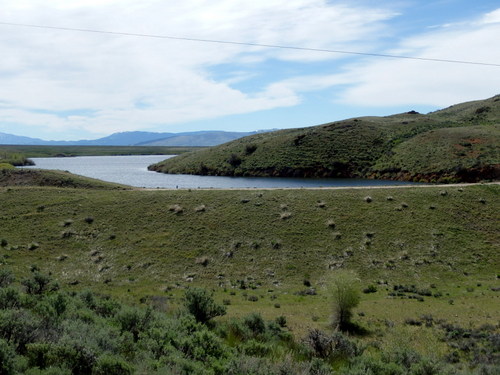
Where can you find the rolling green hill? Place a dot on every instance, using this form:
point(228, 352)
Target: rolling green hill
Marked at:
point(149, 244)
point(10, 177)
point(456, 144)
point(426, 256)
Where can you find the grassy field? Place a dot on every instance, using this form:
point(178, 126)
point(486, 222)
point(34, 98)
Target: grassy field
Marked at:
point(267, 250)
point(61, 151)
point(457, 144)
point(426, 258)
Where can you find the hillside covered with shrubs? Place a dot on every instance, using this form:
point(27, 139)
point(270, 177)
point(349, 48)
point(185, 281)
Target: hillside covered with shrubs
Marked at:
point(456, 144)
point(45, 330)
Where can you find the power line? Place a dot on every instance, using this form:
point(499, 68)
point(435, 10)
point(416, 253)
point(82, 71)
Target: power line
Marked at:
point(250, 44)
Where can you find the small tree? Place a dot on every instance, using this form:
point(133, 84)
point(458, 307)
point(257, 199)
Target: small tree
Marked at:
point(201, 305)
point(344, 289)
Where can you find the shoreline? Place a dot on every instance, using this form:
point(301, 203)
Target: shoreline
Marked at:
point(325, 187)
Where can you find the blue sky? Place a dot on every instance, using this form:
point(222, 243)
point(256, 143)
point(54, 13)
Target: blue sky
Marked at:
point(68, 85)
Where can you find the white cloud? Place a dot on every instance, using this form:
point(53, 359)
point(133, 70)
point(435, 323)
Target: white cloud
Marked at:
point(391, 82)
point(133, 83)
point(101, 83)
point(492, 17)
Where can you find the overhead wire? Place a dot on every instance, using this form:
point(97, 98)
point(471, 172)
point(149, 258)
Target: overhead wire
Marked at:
point(323, 50)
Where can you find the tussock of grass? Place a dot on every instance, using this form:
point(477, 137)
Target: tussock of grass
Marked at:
point(285, 215)
point(200, 208)
point(177, 209)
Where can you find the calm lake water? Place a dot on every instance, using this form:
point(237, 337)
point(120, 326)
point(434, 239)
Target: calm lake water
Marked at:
point(132, 170)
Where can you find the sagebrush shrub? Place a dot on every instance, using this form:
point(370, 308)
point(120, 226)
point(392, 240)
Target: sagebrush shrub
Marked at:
point(10, 298)
point(255, 323)
point(200, 303)
point(112, 365)
point(7, 356)
point(6, 278)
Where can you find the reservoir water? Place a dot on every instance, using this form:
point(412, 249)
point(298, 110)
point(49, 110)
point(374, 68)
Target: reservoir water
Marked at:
point(132, 170)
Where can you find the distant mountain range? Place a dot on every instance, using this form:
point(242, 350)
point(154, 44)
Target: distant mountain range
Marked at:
point(137, 138)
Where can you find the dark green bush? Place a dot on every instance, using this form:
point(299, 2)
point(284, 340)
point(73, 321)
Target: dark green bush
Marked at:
point(48, 371)
point(255, 324)
point(234, 160)
point(368, 365)
point(370, 289)
point(59, 302)
point(201, 305)
point(238, 331)
point(79, 358)
point(39, 283)
point(255, 348)
point(134, 320)
point(40, 354)
point(7, 355)
point(10, 298)
point(281, 321)
point(19, 328)
point(250, 148)
point(203, 345)
point(103, 306)
point(402, 356)
point(112, 365)
point(6, 278)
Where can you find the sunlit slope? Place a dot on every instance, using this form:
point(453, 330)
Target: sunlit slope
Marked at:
point(33, 177)
point(149, 240)
point(459, 143)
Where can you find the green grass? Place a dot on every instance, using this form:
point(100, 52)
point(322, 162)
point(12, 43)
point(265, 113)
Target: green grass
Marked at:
point(60, 151)
point(459, 143)
point(442, 151)
point(137, 246)
point(31, 177)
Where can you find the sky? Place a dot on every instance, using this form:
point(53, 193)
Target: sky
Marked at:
point(68, 85)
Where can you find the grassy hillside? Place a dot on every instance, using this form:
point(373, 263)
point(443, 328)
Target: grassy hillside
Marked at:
point(459, 143)
point(261, 248)
point(10, 177)
point(427, 259)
